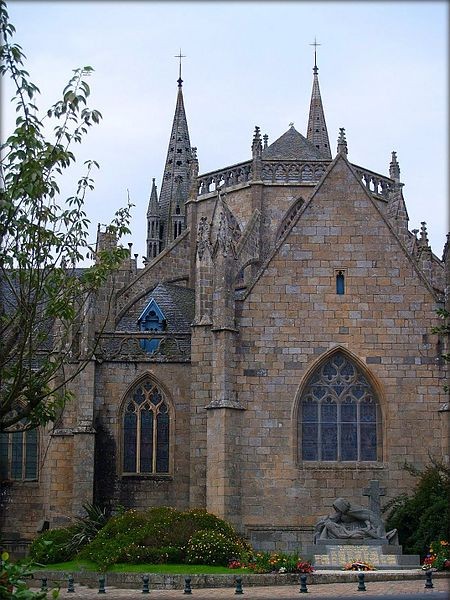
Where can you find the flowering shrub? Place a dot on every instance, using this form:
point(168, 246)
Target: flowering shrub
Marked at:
point(358, 565)
point(212, 548)
point(278, 562)
point(438, 557)
point(160, 534)
point(236, 564)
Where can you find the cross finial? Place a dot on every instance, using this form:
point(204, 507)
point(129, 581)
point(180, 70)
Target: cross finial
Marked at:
point(315, 44)
point(180, 56)
point(374, 491)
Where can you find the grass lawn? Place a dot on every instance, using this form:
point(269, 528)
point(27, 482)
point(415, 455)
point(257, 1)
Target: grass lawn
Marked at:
point(75, 566)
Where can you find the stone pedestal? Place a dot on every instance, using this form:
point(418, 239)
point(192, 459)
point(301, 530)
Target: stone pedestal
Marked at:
point(379, 553)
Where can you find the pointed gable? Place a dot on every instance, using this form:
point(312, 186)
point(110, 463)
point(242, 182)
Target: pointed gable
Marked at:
point(292, 145)
point(152, 317)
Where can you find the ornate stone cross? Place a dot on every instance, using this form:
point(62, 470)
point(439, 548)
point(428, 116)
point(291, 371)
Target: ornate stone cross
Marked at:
point(374, 491)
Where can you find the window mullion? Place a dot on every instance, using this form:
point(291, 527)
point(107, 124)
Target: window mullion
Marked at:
point(154, 445)
point(138, 441)
point(319, 431)
point(358, 431)
point(339, 429)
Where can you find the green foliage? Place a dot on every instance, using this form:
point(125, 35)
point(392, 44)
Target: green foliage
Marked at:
point(159, 534)
point(60, 545)
point(439, 555)
point(42, 238)
point(52, 546)
point(13, 582)
point(444, 330)
point(425, 515)
point(86, 528)
point(280, 562)
point(212, 548)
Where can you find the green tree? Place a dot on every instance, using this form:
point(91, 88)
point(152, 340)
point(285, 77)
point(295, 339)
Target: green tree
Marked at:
point(424, 516)
point(43, 295)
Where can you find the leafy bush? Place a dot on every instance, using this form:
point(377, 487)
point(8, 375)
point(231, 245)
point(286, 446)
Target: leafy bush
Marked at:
point(87, 527)
point(52, 546)
point(212, 548)
point(13, 582)
point(60, 545)
point(425, 515)
point(118, 534)
point(157, 535)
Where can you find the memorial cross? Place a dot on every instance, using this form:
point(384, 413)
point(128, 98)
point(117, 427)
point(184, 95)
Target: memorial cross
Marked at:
point(374, 491)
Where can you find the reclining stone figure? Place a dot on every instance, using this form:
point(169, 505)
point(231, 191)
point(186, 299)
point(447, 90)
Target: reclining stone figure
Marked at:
point(351, 522)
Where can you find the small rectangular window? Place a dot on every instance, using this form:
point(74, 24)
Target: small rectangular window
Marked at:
point(340, 282)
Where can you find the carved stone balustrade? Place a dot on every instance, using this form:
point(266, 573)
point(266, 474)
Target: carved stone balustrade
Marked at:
point(375, 183)
point(168, 347)
point(239, 173)
point(292, 171)
point(287, 172)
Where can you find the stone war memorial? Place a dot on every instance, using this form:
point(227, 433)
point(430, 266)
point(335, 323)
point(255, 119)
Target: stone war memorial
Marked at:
point(273, 357)
point(355, 533)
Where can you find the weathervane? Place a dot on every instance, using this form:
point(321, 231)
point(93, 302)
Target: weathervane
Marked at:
point(180, 56)
point(315, 44)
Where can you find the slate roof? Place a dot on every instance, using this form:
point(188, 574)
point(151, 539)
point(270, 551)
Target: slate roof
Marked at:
point(292, 145)
point(176, 302)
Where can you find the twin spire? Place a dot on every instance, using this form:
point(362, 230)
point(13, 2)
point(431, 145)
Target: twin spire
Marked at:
point(166, 217)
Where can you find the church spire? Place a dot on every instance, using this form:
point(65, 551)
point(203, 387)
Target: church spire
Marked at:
point(153, 204)
point(153, 224)
point(176, 179)
point(317, 127)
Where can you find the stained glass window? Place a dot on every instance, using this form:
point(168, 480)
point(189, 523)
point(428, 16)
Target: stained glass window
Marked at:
point(19, 455)
point(338, 414)
point(146, 431)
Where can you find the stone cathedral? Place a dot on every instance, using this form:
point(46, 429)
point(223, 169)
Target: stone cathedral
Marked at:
point(274, 353)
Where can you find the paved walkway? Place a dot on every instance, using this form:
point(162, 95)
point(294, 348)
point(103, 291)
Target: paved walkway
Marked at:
point(336, 590)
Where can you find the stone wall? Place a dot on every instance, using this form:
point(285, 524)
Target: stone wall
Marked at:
point(292, 317)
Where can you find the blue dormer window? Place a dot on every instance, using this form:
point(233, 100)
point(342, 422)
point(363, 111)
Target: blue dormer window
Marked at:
point(152, 319)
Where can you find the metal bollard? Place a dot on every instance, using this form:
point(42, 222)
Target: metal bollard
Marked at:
point(303, 586)
point(361, 585)
point(429, 579)
point(101, 585)
point(145, 586)
point(239, 589)
point(44, 587)
point(70, 587)
point(187, 585)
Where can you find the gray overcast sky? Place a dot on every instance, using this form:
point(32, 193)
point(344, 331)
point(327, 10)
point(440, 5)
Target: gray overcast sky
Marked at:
point(382, 69)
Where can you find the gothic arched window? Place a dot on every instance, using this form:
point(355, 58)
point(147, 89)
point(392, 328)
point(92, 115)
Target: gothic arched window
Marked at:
point(338, 414)
point(145, 431)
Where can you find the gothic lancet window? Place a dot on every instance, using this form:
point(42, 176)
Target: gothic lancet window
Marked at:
point(145, 431)
point(338, 414)
point(19, 455)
